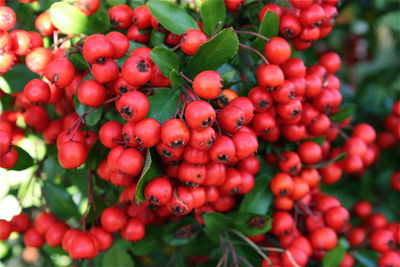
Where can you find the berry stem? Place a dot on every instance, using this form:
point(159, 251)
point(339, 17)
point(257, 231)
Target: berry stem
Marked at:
point(255, 51)
point(254, 34)
point(90, 199)
point(175, 47)
point(185, 77)
point(282, 251)
point(252, 244)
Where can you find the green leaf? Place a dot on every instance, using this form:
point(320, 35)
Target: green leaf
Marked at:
point(16, 78)
point(176, 80)
point(366, 258)
point(149, 243)
point(165, 59)
point(215, 224)
point(215, 52)
point(343, 113)
point(78, 178)
point(269, 28)
point(182, 232)
point(334, 257)
point(326, 163)
point(163, 104)
point(117, 256)
point(115, 2)
point(157, 38)
point(212, 12)
point(24, 160)
point(60, 201)
point(52, 168)
point(174, 18)
point(68, 18)
point(149, 172)
point(250, 223)
point(78, 61)
point(259, 199)
point(93, 117)
point(98, 22)
point(391, 19)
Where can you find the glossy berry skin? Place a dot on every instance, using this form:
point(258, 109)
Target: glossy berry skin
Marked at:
point(312, 16)
point(158, 191)
point(277, 50)
point(91, 93)
point(55, 234)
point(130, 162)
point(223, 150)
point(337, 218)
point(175, 133)
point(282, 185)
point(190, 174)
point(330, 61)
point(141, 17)
point(83, 246)
point(33, 239)
point(133, 106)
point(147, 132)
point(389, 258)
point(120, 16)
point(60, 71)
point(245, 144)
point(37, 59)
point(202, 139)
point(231, 118)
point(72, 154)
point(310, 152)
point(44, 221)
point(191, 40)
point(136, 70)
point(20, 223)
point(290, 26)
point(113, 219)
point(323, 238)
point(269, 76)
point(120, 44)
point(97, 49)
point(7, 18)
point(382, 240)
point(88, 7)
point(109, 133)
point(282, 223)
point(199, 114)
point(134, 230)
point(37, 91)
point(21, 42)
point(207, 84)
point(195, 156)
point(5, 230)
point(104, 239)
point(181, 202)
point(105, 72)
point(8, 159)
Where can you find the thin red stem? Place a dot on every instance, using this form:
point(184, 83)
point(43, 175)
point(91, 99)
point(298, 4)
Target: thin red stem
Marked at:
point(254, 34)
point(255, 51)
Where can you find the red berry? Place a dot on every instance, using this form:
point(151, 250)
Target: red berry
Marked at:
point(191, 40)
point(113, 219)
point(277, 50)
point(158, 191)
point(91, 93)
point(97, 49)
point(207, 84)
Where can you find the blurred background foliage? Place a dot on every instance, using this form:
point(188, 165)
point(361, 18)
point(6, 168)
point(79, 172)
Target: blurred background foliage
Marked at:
point(367, 36)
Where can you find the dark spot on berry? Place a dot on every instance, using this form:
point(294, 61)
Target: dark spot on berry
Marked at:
point(123, 90)
point(142, 66)
point(263, 104)
point(283, 192)
point(239, 123)
point(127, 112)
point(166, 153)
point(153, 199)
point(207, 122)
point(295, 113)
point(55, 78)
point(176, 143)
point(100, 60)
point(223, 158)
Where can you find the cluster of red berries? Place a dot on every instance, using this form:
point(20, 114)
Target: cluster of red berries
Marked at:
point(377, 233)
point(46, 228)
point(306, 21)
